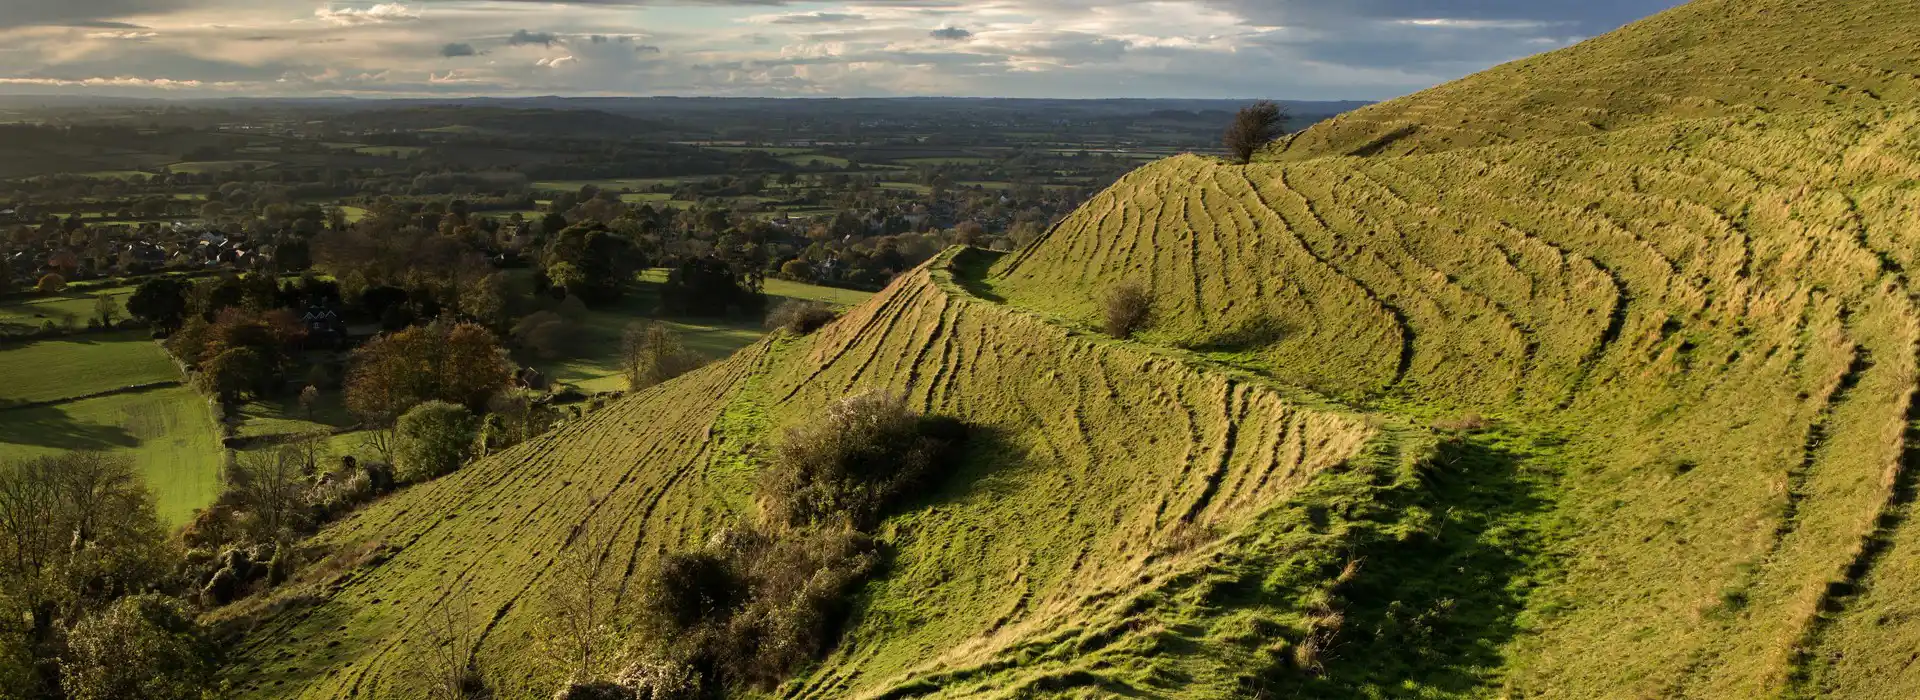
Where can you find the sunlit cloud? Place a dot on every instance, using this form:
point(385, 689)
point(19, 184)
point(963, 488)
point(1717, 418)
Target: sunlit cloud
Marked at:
point(1298, 49)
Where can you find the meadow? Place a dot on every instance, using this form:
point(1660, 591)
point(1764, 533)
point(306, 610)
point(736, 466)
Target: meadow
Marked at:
point(115, 392)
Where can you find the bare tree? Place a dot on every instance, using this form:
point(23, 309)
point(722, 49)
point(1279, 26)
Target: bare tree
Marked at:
point(1255, 127)
point(582, 622)
point(452, 667)
point(271, 484)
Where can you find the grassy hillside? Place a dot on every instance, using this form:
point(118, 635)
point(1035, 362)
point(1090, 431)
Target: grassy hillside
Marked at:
point(1592, 376)
point(1109, 482)
point(1707, 58)
point(1713, 314)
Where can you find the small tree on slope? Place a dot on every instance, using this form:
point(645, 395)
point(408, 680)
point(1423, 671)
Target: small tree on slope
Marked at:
point(1255, 127)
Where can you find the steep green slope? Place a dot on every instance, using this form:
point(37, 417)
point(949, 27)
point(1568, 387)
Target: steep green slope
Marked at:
point(1108, 506)
point(1714, 314)
point(1707, 58)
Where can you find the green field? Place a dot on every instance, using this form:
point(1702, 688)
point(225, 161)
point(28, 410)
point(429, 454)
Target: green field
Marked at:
point(390, 151)
point(769, 150)
point(638, 184)
point(213, 166)
point(81, 365)
point(806, 160)
point(28, 313)
point(947, 160)
point(594, 366)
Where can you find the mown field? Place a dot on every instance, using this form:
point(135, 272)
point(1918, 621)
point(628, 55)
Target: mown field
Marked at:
point(72, 394)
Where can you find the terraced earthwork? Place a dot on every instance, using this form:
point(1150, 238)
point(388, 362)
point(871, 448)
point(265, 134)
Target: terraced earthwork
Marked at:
point(1592, 376)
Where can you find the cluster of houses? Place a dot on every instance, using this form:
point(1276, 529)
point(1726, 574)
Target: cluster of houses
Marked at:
point(120, 250)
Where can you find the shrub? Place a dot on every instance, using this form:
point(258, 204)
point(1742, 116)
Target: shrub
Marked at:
point(749, 608)
point(864, 454)
point(51, 284)
point(691, 589)
point(651, 353)
point(801, 317)
point(143, 647)
point(548, 334)
point(1127, 309)
point(432, 439)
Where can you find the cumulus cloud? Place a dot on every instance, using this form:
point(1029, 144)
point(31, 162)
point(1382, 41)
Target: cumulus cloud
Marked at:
point(522, 36)
point(377, 14)
point(1353, 49)
point(152, 83)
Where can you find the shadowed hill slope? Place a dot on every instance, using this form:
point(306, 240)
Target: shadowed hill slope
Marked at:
point(1715, 315)
point(1104, 477)
point(1707, 58)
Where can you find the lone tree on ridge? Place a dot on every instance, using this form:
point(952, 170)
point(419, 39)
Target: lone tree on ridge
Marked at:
point(1256, 126)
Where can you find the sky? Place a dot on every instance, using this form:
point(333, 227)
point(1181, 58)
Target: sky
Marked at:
point(1283, 49)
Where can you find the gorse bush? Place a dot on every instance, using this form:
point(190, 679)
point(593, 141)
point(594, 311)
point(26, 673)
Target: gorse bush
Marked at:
point(855, 463)
point(801, 317)
point(1126, 309)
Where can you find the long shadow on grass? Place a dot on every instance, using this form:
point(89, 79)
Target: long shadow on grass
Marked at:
point(48, 426)
point(1428, 616)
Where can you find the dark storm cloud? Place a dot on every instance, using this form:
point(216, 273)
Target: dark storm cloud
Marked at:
point(458, 50)
point(950, 34)
point(522, 36)
point(92, 14)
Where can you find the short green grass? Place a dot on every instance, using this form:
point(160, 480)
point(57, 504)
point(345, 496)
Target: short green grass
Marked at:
point(168, 431)
point(593, 365)
point(81, 365)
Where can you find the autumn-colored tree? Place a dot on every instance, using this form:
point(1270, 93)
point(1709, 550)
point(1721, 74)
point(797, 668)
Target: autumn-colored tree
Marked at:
point(458, 363)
